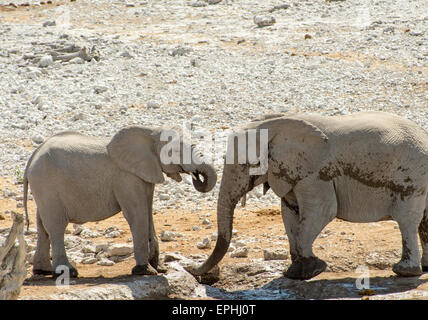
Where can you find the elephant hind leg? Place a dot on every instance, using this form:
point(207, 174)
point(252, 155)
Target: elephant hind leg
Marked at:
point(409, 216)
point(54, 219)
point(423, 235)
point(41, 262)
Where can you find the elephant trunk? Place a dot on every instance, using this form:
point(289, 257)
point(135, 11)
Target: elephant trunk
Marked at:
point(209, 177)
point(227, 200)
point(223, 239)
point(199, 168)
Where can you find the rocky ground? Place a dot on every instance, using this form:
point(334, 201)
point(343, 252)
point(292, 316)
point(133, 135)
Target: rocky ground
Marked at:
point(97, 66)
point(103, 255)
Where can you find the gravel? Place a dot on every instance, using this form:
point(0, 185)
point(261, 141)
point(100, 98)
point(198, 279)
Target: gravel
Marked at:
point(206, 221)
point(112, 232)
point(45, 61)
point(160, 63)
point(205, 243)
point(241, 252)
point(275, 254)
point(264, 21)
point(105, 262)
point(119, 249)
point(167, 236)
point(87, 234)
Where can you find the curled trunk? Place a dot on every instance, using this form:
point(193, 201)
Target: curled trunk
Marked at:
point(209, 178)
point(204, 175)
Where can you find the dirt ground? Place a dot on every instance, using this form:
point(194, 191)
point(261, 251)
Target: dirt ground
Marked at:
point(344, 246)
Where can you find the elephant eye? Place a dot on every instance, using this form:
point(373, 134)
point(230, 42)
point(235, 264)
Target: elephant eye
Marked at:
point(196, 151)
point(254, 165)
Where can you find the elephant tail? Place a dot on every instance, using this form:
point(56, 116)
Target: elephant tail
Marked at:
point(27, 220)
point(25, 182)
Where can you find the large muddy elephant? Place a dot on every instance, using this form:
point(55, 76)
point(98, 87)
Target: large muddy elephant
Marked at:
point(363, 167)
point(76, 178)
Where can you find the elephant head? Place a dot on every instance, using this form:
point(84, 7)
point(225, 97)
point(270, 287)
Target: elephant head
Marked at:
point(294, 147)
point(139, 151)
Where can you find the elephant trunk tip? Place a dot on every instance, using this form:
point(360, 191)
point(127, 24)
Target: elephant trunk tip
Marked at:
point(195, 270)
point(200, 184)
point(219, 251)
point(204, 179)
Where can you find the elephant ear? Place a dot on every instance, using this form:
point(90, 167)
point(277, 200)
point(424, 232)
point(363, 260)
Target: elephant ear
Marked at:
point(297, 149)
point(133, 150)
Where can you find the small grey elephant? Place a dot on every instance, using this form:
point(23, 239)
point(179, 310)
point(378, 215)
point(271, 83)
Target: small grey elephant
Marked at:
point(365, 167)
point(77, 178)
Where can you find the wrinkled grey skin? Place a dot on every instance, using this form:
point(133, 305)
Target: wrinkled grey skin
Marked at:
point(76, 178)
point(364, 167)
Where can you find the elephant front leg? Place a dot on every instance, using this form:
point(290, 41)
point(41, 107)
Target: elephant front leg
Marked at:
point(154, 249)
point(139, 225)
point(153, 240)
point(302, 267)
point(305, 265)
point(134, 198)
point(290, 217)
point(303, 227)
point(154, 252)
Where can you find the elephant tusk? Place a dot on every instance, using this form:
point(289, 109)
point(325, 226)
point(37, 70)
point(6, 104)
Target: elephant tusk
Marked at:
point(244, 200)
point(195, 177)
point(266, 187)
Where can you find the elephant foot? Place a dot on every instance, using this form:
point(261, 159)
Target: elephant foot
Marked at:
point(305, 268)
point(42, 272)
point(72, 273)
point(154, 262)
point(144, 270)
point(160, 268)
point(404, 269)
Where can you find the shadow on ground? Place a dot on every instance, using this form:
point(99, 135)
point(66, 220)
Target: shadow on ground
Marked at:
point(342, 288)
point(49, 281)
